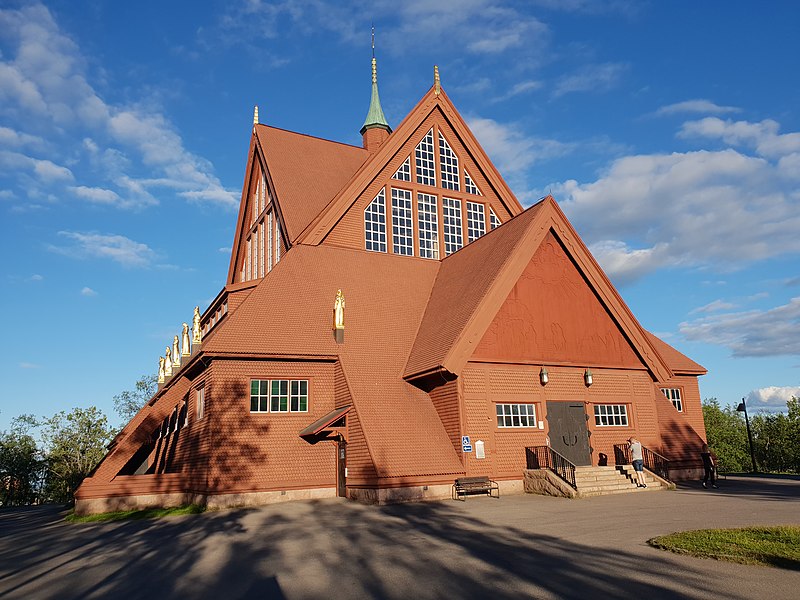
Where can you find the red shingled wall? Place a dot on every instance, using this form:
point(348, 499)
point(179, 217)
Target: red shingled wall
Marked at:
point(445, 399)
point(262, 451)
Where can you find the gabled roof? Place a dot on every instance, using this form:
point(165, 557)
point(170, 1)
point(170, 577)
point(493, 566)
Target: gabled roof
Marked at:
point(678, 362)
point(306, 172)
point(431, 102)
point(473, 283)
point(289, 314)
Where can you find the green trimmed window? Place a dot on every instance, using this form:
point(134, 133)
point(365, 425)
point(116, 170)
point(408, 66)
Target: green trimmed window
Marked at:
point(278, 395)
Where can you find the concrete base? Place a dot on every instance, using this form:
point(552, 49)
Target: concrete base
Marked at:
point(90, 506)
point(545, 483)
point(416, 493)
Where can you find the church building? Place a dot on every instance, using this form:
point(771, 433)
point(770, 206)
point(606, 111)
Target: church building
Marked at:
point(394, 319)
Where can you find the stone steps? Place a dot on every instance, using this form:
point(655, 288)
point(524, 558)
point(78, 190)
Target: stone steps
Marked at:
point(600, 481)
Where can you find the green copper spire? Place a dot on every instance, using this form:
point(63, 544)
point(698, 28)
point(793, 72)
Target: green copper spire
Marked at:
point(375, 117)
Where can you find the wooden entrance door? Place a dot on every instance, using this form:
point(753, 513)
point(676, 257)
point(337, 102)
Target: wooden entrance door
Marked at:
point(341, 466)
point(569, 433)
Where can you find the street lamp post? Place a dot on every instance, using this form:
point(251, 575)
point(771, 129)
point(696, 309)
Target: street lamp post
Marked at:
point(743, 408)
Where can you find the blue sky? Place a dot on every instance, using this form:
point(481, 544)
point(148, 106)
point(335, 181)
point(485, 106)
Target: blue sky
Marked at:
point(668, 132)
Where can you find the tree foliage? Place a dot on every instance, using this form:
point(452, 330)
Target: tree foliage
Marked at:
point(21, 464)
point(776, 438)
point(129, 402)
point(75, 443)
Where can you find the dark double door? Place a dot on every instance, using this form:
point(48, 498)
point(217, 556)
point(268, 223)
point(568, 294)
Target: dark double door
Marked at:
point(569, 433)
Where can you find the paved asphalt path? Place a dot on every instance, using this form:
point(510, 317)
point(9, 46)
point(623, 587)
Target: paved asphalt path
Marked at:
point(516, 547)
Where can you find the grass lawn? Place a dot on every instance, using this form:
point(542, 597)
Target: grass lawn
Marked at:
point(769, 546)
point(150, 513)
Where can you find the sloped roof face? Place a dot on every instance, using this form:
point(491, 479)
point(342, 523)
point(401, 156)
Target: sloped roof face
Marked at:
point(463, 281)
point(678, 362)
point(290, 313)
point(306, 172)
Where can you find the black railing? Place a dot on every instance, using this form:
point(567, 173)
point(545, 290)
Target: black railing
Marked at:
point(653, 461)
point(544, 457)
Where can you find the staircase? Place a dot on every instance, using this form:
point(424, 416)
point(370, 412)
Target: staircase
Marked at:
point(600, 481)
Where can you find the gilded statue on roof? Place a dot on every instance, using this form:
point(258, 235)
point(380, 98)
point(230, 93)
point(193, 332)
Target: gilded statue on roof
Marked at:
point(338, 311)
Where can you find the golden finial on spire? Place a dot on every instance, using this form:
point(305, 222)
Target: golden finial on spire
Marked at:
point(255, 115)
point(437, 86)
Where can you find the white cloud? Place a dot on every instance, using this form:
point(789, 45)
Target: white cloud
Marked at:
point(590, 78)
point(772, 398)
point(28, 365)
point(88, 292)
point(773, 332)
point(762, 136)
point(35, 277)
point(715, 306)
point(43, 83)
point(118, 248)
point(723, 208)
point(696, 106)
point(510, 150)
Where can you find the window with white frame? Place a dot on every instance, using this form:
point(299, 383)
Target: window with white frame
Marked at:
point(476, 221)
point(402, 224)
point(469, 185)
point(516, 415)
point(448, 163)
point(200, 402)
point(424, 160)
point(279, 395)
point(375, 223)
point(428, 223)
point(269, 242)
point(453, 234)
point(404, 172)
point(261, 248)
point(611, 415)
point(674, 395)
point(277, 240)
point(493, 220)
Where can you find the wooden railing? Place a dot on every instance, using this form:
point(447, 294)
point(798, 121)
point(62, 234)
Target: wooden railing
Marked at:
point(653, 461)
point(544, 457)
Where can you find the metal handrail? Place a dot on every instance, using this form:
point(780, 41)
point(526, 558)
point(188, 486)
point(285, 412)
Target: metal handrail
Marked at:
point(544, 457)
point(653, 461)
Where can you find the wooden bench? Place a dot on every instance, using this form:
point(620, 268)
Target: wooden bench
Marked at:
point(465, 486)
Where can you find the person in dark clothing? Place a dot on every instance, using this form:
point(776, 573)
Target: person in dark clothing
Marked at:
point(709, 465)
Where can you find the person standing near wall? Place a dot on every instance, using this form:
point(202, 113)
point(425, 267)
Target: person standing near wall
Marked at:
point(709, 465)
point(637, 459)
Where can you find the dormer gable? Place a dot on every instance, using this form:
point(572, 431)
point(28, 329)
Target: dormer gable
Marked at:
point(427, 191)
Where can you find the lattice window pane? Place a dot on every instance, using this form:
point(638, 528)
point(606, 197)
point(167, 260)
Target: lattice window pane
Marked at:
point(404, 172)
point(493, 220)
point(611, 415)
point(402, 223)
point(516, 415)
point(269, 243)
point(674, 395)
point(476, 221)
point(428, 222)
point(453, 233)
point(277, 240)
point(375, 223)
point(424, 160)
point(469, 185)
point(448, 163)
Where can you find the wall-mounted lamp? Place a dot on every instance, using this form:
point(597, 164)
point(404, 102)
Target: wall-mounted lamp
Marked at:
point(543, 376)
point(587, 377)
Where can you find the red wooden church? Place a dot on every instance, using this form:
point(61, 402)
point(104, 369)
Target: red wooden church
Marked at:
point(393, 319)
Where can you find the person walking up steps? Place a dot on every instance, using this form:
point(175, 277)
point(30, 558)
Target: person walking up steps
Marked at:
point(635, 446)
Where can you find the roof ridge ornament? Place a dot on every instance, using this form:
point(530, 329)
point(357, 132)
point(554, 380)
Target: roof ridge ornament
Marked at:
point(255, 115)
point(375, 117)
point(437, 85)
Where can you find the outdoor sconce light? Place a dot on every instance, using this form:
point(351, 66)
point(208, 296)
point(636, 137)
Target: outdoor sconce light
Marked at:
point(587, 377)
point(543, 376)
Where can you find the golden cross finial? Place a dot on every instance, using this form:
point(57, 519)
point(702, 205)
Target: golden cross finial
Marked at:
point(437, 86)
point(255, 115)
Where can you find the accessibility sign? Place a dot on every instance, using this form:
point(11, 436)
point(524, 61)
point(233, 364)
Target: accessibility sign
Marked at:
point(466, 445)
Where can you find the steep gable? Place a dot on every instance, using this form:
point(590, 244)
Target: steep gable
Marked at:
point(289, 179)
point(342, 221)
point(460, 312)
point(552, 316)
